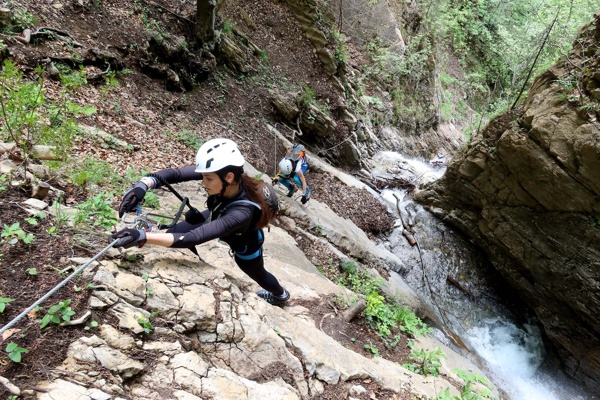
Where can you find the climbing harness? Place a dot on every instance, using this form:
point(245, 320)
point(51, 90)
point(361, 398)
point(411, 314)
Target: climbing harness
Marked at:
point(151, 222)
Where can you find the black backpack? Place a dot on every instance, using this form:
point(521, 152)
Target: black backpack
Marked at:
point(270, 196)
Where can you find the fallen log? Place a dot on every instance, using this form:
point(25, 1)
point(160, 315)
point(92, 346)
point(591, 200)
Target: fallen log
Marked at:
point(40, 152)
point(459, 286)
point(354, 310)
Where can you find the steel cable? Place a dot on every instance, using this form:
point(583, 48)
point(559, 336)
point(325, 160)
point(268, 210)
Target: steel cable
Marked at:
point(56, 288)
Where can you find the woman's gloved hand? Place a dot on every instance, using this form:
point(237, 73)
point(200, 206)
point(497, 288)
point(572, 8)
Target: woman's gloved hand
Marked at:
point(194, 217)
point(132, 198)
point(129, 237)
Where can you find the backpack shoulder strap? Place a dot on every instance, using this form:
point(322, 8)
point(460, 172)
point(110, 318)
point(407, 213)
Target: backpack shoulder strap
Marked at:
point(244, 201)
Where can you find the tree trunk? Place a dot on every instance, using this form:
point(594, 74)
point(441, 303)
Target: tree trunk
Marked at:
point(205, 23)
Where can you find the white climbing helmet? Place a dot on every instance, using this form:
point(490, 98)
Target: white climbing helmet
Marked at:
point(285, 166)
point(217, 154)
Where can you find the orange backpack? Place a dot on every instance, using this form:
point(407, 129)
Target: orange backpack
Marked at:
point(296, 152)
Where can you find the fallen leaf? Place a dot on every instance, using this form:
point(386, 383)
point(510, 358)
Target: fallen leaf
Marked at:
point(9, 333)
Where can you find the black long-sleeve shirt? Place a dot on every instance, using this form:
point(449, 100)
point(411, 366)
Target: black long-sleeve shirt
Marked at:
point(235, 225)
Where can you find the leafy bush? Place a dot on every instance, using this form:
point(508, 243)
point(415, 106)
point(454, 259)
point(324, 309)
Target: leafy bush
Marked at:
point(425, 362)
point(97, 210)
point(358, 280)
point(90, 173)
point(30, 119)
point(58, 312)
point(411, 324)
point(20, 19)
point(468, 392)
point(14, 351)
point(14, 233)
point(379, 314)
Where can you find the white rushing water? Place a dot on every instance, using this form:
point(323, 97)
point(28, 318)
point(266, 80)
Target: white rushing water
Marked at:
point(513, 355)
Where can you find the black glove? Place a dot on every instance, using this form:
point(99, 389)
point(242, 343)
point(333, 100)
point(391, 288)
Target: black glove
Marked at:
point(194, 217)
point(132, 198)
point(129, 237)
point(304, 199)
point(275, 181)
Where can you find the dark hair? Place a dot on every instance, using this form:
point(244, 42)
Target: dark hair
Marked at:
point(254, 191)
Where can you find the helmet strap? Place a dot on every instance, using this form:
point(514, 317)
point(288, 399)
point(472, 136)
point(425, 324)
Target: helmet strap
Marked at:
point(225, 184)
point(223, 173)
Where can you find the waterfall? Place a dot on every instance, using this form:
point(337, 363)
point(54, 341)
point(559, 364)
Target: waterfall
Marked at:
point(454, 278)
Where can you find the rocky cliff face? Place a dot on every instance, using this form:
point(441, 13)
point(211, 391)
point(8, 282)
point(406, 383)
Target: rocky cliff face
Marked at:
point(526, 190)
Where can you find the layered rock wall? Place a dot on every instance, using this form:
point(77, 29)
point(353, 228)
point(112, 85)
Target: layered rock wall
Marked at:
point(526, 190)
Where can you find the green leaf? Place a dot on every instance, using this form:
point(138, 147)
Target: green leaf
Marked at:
point(45, 321)
point(15, 356)
point(11, 347)
point(54, 309)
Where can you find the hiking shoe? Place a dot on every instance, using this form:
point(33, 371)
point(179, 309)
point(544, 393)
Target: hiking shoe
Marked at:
point(272, 299)
point(292, 191)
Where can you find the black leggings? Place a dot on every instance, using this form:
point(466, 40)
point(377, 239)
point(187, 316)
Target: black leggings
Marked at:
point(254, 268)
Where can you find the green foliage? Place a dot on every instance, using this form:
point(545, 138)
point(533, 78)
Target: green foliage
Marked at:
point(190, 139)
point(3, 302)
point(31, 221)
point(20, 20)
point(91, 325)
point(498, 41)
point(97, 210)
point(146, 324)
point(382, 314)
point(468, 391)
point(411, 324)
point(373, 349)
point(358, 280)
point(57, 313)
point(263, 56)
point(29, 119)
point(72, 80)
point(425, 362)
point(227, 26)
point(110, 81)
point(391, 66)
point(14, 351)
point(341, 49)
point(32, 271)
point(307, 96)
point(379, 314)
point(2, 183)
point(90, 173)
point(151, 200)
point(14, 233)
